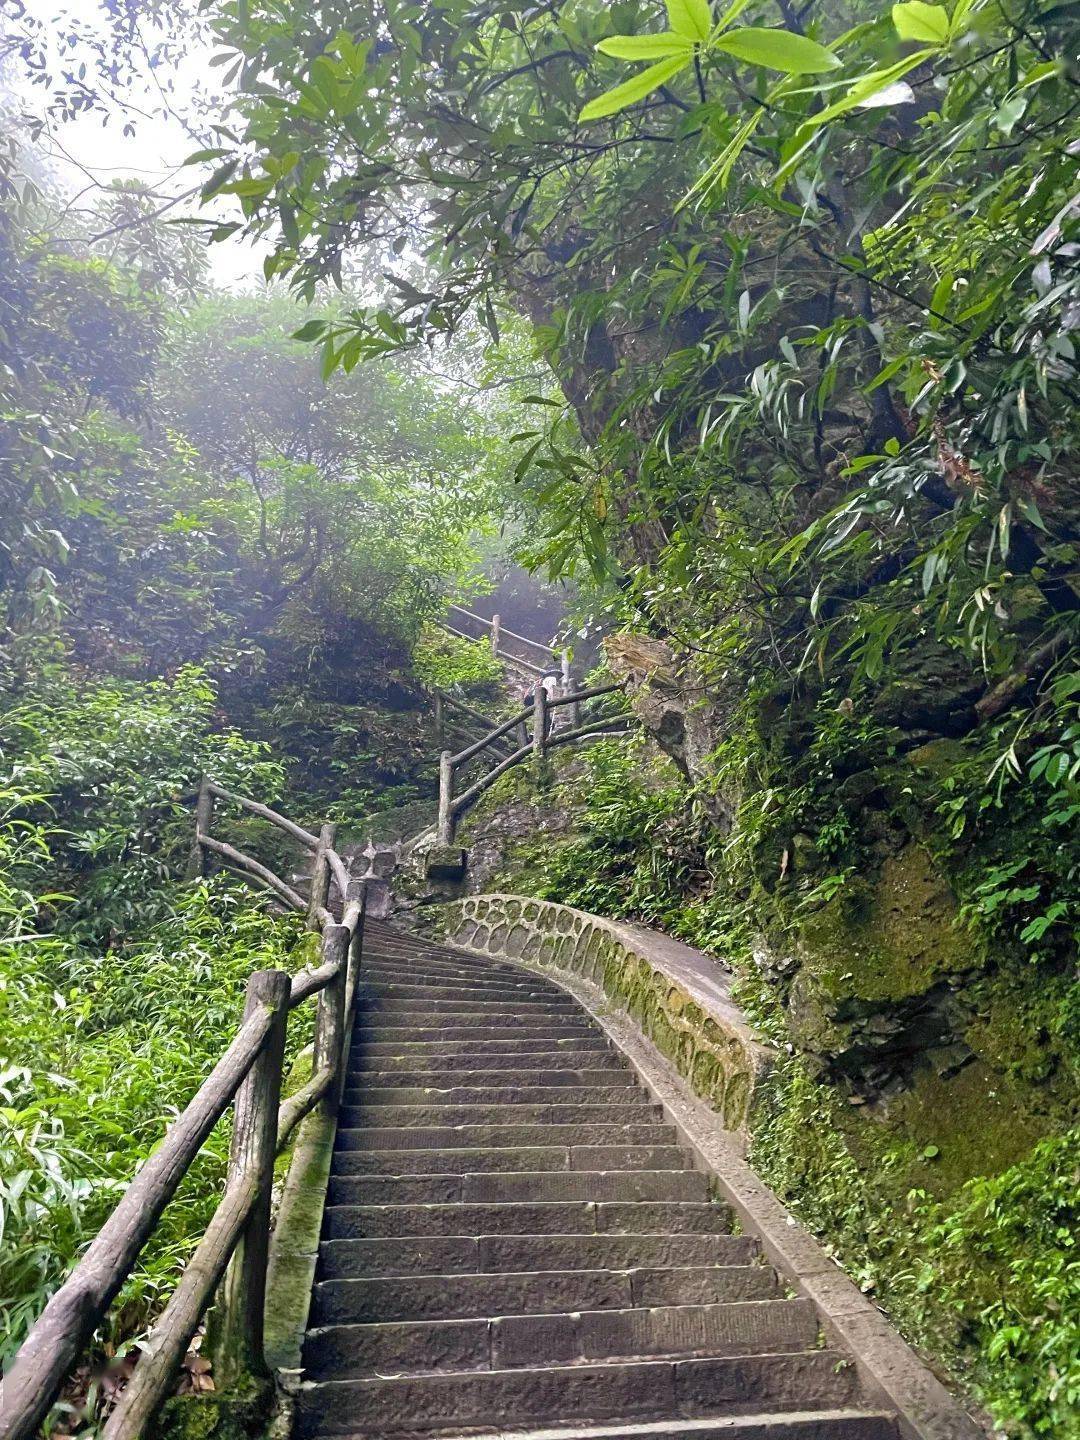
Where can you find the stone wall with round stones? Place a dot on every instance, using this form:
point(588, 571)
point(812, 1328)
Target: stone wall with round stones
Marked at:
point(677, 995)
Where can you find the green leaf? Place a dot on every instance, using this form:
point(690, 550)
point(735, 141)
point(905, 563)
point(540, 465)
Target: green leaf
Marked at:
point(915, 20)
point(645, 47)
point(312, 330)
point(692, 18)
point(219, 179)
point(777, 50)
point(634, 89)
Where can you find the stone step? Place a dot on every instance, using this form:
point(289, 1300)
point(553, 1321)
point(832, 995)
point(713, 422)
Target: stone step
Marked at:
point(357, 1117)
point(515, 1254)
point(585, 1069)
point(500, 1095)
point(616, 1186)
point(553, 1217)
point(520, 1341)
point(364, 1048)
point(477, 1137)
point(617, 1390)
point(452, 988)
point(487, 1008)
point(480, 1030)
point(460, 1160)
point(846, 1424)
point(547, 1292)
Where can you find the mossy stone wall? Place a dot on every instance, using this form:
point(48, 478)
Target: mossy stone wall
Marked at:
point(677, 995)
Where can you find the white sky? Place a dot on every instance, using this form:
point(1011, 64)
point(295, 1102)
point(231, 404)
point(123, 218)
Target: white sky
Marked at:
point(81, 150)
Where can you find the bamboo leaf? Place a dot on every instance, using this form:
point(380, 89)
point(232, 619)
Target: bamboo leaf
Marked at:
point(634, 89)
point(692, 18)
point(776, 50)
point(646, 47)
point(915, 20)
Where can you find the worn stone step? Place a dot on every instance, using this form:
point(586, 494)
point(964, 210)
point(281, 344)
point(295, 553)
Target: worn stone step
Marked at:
point(479, 1031)
point(638, 1111)
point(845, 1424)
point(546, 1292)
point(515, 1254)
point(592, 1069)
point(479, 990)
point(500, 1095)
point(415, 977)
point(491, 1008)
point(364, 1048)
point(617, 1390)
point(474, 1137)
point(761, 1327)
point(511, 1157)
point(358, 1222)
point(522, 1341)
point(617, 1186)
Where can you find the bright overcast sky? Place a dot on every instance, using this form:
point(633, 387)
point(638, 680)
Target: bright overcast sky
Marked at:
point(84, 149)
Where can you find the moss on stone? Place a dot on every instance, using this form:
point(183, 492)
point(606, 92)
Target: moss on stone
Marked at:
point(888, 939)
point(241, 1413)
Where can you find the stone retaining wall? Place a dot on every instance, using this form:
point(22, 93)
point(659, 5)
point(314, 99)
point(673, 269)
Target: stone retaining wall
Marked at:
point(679, 997)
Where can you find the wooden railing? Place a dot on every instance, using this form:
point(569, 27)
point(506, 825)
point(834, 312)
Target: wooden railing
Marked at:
point(532, 656)
point(538, 737)
point(231, 1259)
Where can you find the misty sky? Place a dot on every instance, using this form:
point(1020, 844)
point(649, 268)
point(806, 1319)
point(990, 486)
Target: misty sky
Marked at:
point(82, 151)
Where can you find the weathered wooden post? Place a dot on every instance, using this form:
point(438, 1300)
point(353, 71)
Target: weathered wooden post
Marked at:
point(357, 895)
point(440, 720)
point(330, 1016)
point(540, 722)
point(445, 829)
point(320, 876)
point(574, 717)
point(199, 857)
point(496, 626)
point(237, 1330)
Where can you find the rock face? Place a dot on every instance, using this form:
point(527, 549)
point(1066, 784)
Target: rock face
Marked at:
point(673, 707)
point(875, 991)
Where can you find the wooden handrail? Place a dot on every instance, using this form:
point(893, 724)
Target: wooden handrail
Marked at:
point(451, 806)
point(231, 1258)
point(296, 831)
point(502, 630)
point(241, 861)
point(576, 697)
point(485, 740)
point(65, 1326)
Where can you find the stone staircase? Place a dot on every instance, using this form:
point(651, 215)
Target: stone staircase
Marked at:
point(515, 1241)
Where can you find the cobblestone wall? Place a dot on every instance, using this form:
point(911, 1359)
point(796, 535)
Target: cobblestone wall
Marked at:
point(677, 995)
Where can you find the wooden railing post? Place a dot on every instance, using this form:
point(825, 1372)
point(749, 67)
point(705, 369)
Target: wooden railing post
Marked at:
point(330, 1016)
point(199, 858)
point(320, 876)
point(440, 720)
point(445, 829)
point(238, 1326)
point(540, 721)
point(495, 627)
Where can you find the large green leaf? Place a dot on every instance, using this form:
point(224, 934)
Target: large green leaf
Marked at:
point(916, 20)
point(776, 50)
point(691, 18)
point(646, 47)
point(634, 89)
